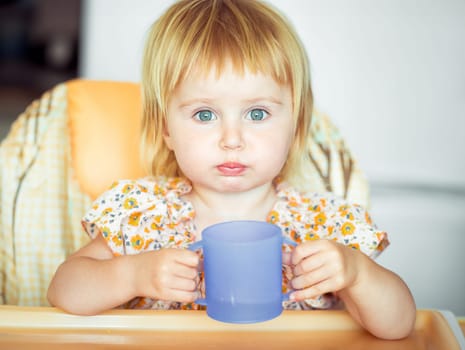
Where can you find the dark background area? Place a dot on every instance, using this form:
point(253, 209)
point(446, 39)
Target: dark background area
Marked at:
point(39, 48)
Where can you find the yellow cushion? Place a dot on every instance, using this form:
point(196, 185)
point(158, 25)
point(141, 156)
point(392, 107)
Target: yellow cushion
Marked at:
point(104, 133)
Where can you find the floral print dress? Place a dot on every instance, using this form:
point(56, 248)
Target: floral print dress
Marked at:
point(150, 214)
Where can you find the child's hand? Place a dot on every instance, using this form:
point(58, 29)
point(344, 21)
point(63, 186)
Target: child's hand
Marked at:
point(167, 274)
point(321, 267)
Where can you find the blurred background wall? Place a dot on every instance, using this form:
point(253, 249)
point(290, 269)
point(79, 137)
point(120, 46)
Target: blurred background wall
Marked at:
point(391, 75)
point(39, 47)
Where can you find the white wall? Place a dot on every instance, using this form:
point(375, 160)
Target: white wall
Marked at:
point(427, 234)
point(391, 73)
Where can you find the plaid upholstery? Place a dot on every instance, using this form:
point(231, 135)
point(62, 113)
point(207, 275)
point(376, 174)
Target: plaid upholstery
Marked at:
point(42, 202)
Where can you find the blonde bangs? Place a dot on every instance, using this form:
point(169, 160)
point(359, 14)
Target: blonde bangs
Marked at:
point(211, 34)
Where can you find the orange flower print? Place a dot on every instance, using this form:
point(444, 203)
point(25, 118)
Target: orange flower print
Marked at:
point(320, 219)
point(349, 216)
point(311, 236)
point(127, 188)
point(295, 236)
point(134, 219)
point(154, 226)
point(106, 232)
point(117, 239)
point(296, 215)
point(141, 303)
point(148, 242)
point(330, 230)
point(130, 203)
point(156, 223)
point(316, 208)
point(383, 241)
point(273, 217)
point(114, 184)
point(348, 228)
point(157, 189)
point(368, 218)
point(355, 246)
point(292, 202)
point(106, 211)
point(343, 209)
point(137, 242)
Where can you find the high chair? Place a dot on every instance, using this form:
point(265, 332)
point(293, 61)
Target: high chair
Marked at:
point(68, 147)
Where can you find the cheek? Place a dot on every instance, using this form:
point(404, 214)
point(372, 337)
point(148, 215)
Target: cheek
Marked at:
point(281, 147)
point(280, 143)
point(189, 150)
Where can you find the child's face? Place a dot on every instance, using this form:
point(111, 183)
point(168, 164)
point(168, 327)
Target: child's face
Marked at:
point(230, 133)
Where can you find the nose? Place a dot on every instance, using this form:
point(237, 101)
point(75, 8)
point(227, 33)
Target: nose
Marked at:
point(231, 136)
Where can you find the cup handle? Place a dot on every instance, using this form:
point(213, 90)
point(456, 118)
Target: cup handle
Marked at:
point(287, 240)
point(193, 247)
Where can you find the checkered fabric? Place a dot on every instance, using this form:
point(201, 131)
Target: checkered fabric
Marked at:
point(42, 204)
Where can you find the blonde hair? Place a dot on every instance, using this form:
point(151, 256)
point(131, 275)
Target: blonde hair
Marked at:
point(200, 34)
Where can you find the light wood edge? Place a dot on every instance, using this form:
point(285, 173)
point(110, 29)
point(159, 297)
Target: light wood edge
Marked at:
point(14, 317)
point(453, 327)
point(462, 324)
point(176, 320)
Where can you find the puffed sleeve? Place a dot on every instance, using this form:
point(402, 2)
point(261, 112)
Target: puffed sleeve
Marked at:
point(120, 215)
point(325, 216)
point(313, 216)
point(351, 225)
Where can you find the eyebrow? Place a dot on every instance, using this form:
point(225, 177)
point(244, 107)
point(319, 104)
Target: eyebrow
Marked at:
point(268, 99)
point(265, 98)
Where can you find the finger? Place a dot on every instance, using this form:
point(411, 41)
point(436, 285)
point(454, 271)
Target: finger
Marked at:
point(287, 258)
point(183, 284)
point(305, 250)
point(309, 264)
point(180, 295)
point(184, 271)
point(314, 291)
point(312, 278)
point(187, 257)
point(200, 266)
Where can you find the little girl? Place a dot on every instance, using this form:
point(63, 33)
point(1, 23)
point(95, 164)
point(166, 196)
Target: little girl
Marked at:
point(227, 110)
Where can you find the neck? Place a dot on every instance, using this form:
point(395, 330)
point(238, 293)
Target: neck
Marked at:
point(214, 207)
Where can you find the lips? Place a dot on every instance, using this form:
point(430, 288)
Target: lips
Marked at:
point(231, 168)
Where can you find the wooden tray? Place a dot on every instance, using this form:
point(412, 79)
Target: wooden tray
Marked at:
point(49, 328)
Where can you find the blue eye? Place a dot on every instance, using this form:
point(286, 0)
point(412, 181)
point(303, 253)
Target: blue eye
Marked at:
point(205, 116)
point(257, 114)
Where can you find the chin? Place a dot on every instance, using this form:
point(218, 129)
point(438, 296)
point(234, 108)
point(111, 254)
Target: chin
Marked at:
point(237, 184)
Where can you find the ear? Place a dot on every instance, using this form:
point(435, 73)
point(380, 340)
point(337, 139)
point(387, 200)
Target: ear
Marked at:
point(167, 137)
